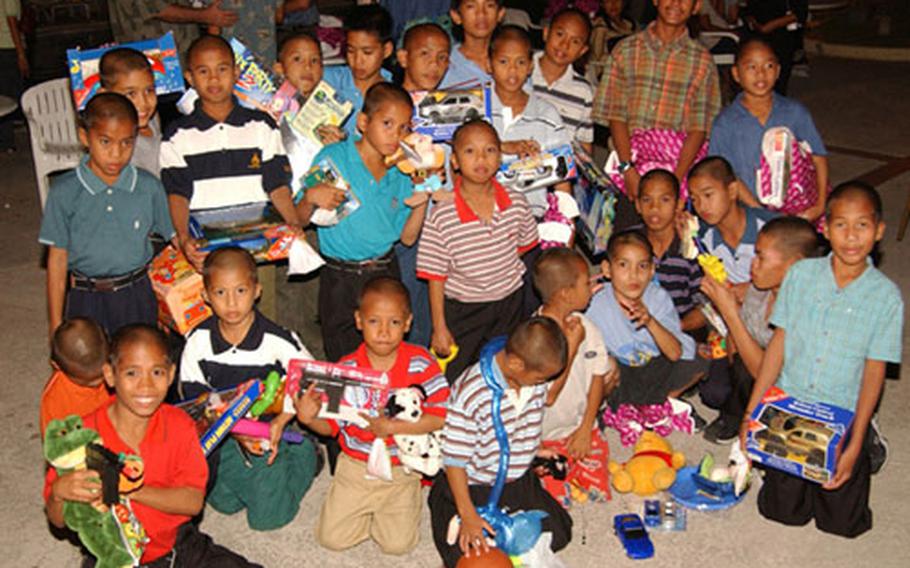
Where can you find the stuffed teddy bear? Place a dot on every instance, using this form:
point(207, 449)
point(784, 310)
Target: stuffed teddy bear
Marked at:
point(651, 468)
point(417, 452)
point(111, 533)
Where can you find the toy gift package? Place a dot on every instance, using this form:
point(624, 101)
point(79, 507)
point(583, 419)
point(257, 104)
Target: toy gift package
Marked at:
point(549, 167)
point(216, 413)
point(325, 171)
point(161, 53)
point(439, 113)
point(255, 227)
point(797, 437)
point(346, 391)
point(324, 107)
point(178, 289)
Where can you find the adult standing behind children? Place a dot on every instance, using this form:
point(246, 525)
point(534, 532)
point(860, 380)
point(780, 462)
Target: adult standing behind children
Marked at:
point(470, 61)
point(255, 26)
point(659, 78)
point(97, 223)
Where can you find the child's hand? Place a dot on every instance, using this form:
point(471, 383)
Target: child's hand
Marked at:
point(611, 377)
point(83, 486)
point(471, 536)
point(579, 443)
point(442, 342)
point(252, 445)
point(190, 248)
point(575, 332)
point(417, 199)
point(330, 134)
point(844, 470)
point(380, 426)
point(523, 148)
point(721, 295)
point(324, 196)
point(636, 311)
point(308, 405)
point(276, 429)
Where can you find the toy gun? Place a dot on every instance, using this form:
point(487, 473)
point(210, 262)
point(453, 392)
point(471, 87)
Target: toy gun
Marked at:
point(712, 266)
point(111, 466)
point(444, 361)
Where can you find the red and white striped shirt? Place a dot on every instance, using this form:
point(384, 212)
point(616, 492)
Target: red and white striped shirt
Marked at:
point(479, 260)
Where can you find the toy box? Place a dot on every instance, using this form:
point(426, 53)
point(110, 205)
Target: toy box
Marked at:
point(162, 55)
point(178, 288)
point(346, 391)
point(256, 227)
point(546, 168)
point(439, 113)
point(324, 107)
point(797, 437)
point(325, 171)
point(216, 413)
point(258, 87)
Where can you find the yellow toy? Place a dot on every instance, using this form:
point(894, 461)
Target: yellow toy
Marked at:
point(713, 267)
point(444, 361)
point(651, 468)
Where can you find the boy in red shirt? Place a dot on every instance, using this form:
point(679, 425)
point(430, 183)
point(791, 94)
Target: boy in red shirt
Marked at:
point(135, 421)
point(357, 508)
point(78, 351)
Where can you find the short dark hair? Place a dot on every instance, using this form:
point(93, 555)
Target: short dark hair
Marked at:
point(80, 348)
point(539, 343)
point(555, 270)
point(411, 33)
point(573, 11)
point(510, 32)
point(659, 174)
point(462, 130)
point(628, 237)
point(371, 18)
point(714, 167)
point(108, 106)
point(120, 61)
point(456, 4)
point(855, 187)
point(386, 286)
point(793, 236)
point(298, 36)
point(208, 41)
point(228, 257)
point(750, 42)
point(137, 333)
point(383, 92)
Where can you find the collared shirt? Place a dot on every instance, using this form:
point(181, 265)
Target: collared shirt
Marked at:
point(8, 9)
point(105, 229)
point(469, 438)
point(737, 134)
point(147, 150)
point(479, 261)
point(738, 261)
point(571, 95)
point(220, 164)
point(462, 72)
point(134, 20)
point(62, 396)
point(342, 80)
point(830, 332)
point(371, 229)
point(754, 313)
point(210, 362)
point(255, 27)
point(172, 457)
point(678, 275)
point(413, 365)
point(630, 345)
point(649, 84)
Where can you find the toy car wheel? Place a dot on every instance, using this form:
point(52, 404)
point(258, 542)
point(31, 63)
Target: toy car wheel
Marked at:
point(472, 114)
point(816, 458)
point(543, 171)
point(777, 450)
point(562, 169)
point(434, 116)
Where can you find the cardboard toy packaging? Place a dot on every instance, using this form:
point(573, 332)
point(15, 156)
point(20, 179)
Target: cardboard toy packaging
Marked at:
point(550, 166)
point(347, 392)
point(178, 288)
point(216, 413)
point(797, 437)
point(439, 113)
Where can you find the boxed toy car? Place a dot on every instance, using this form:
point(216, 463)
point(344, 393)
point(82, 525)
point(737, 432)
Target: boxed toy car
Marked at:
point(178, 288)
point(256, 227)
point(797, 437)
point(439, 113)
point(549, 167)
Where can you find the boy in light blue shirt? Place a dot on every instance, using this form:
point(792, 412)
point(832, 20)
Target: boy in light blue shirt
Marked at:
point(469, 63)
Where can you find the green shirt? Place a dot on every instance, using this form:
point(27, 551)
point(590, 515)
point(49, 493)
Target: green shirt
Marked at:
point(105, 229)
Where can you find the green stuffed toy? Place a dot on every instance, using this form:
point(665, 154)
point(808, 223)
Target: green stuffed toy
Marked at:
point(111, 533)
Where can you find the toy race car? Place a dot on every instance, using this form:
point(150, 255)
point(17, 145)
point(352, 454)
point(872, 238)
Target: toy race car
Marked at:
point(794, 437)
point(457, 107)
point(633, 536)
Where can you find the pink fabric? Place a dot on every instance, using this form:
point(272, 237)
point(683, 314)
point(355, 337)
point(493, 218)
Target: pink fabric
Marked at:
point(631, 420)
point(553, 214)
point(658, 148)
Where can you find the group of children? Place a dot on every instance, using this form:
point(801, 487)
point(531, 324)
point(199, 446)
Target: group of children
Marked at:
point(475, 250)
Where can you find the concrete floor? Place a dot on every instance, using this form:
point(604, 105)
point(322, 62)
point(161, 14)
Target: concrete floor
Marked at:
point(862, 109)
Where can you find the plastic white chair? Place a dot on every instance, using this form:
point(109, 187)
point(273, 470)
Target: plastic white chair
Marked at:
point(712, 37)
point(48, 107)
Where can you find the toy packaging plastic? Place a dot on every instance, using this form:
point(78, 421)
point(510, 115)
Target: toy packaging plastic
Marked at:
point(216, 413)
point(85, 80)
point(346, 391)
point(178, 289)
point(325, 171)
point(440, 113)
point(550, 166)
point(324, 107)
point(797, 437)
point(255, 227)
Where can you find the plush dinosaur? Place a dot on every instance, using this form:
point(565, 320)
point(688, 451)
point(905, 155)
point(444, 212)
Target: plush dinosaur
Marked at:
point(109, 531)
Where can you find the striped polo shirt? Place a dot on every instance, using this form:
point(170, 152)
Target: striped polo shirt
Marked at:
point(413, 366)
point(539, 121)
point(572, 96)
point(220, 164)
point(469, 439)
point(679, 276)
point(479, 261)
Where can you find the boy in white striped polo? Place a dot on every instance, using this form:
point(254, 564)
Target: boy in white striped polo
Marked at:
point(470, 251)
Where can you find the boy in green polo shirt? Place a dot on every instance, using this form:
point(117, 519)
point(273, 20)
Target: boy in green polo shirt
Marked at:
point(97, 223)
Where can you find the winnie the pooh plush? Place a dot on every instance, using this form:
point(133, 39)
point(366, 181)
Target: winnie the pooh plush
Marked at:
point(651, 468)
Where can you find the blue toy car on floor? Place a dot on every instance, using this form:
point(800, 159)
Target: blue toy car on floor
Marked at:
point(633, 535)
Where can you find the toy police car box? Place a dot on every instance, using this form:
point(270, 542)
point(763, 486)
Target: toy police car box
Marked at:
point(438, 114)
point(797, 437)
point(541, 170)
point(161, 52)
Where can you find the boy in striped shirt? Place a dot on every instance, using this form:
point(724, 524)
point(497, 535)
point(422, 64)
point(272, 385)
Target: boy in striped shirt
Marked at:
point(357, 508)
point(535, 353)
point(470, 251)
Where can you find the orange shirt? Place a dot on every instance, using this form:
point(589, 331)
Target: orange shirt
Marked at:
point(62, 397)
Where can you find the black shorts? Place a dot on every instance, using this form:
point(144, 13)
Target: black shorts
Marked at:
point(650, 383)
